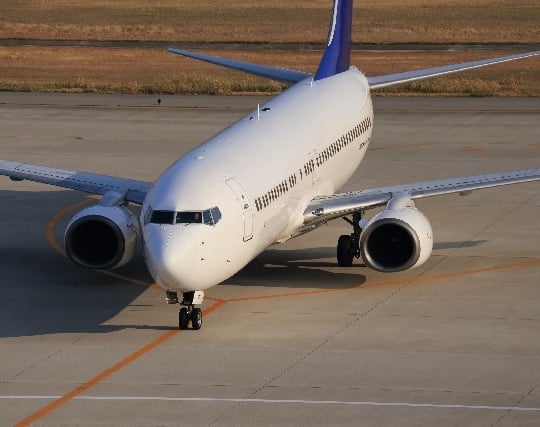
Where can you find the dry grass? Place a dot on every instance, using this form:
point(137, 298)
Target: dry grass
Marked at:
point(155, 71)
point(86, 69)
point(385, 21)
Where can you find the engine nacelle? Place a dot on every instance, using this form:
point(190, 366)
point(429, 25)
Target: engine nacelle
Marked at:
point(102, 237)
point(396, 240)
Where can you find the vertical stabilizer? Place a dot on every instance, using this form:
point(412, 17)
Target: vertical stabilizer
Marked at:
point(337, 55)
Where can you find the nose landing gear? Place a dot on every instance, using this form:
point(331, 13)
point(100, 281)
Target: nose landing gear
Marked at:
point(188, 312)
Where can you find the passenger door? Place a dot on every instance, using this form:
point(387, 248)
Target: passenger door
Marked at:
point(245, 205)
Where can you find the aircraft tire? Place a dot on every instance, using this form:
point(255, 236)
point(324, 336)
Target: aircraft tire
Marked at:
point(183, 318)
point(345, 251)
point(196, 319)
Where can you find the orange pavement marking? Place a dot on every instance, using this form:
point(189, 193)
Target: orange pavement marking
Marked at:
point(411, 145)
point(53, 242)
point(49, 233)
point(219, 303)
point(469, 148)
point(50, 236)
point(395, 282)
point(107, 372)
point(55, 220)
point(130, 280)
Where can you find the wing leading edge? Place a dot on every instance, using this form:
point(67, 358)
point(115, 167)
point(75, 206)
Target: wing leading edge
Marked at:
point(325, 208)
point(409, 76)
point(132, 190)
point(274, 73)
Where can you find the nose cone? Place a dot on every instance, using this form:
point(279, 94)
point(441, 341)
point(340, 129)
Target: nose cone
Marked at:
point(171, 256)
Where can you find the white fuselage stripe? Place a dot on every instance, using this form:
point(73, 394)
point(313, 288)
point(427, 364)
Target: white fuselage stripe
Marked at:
point(280, 401)
point(334, 20)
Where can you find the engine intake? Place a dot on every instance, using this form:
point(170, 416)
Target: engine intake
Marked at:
point(396, 240)
point(102, 237)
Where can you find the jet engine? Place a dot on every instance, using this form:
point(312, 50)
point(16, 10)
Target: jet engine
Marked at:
point(102, 237)
point(396, 240)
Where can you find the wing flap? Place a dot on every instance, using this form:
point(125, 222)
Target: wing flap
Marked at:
point(134, 191)
point(325, 208)
point(409, 76)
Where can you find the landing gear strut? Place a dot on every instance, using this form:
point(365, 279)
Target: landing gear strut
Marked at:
point(188, 312)
point(348, 246)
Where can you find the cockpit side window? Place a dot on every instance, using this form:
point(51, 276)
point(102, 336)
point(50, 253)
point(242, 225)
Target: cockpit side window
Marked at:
point(211, 216)
point(207, 217)
point(216, 214)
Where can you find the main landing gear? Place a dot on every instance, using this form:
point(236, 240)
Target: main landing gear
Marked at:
point(348, 246)
point(188, 312)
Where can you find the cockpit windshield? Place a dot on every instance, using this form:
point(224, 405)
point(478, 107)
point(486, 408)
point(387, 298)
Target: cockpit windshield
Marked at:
point(188, 217)
point(208, 217)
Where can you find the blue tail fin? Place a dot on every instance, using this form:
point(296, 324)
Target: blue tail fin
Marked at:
point(337, 55)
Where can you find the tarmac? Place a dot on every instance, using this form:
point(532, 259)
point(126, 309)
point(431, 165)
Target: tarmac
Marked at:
point(292, 339)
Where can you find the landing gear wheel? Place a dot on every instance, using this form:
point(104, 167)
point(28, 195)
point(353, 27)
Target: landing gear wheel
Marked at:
point(348, 246)
point(196, 318)
point(345, 251)
point(188, 313)
point(183, 318)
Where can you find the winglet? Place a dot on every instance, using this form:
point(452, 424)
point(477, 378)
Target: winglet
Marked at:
point(337, 55)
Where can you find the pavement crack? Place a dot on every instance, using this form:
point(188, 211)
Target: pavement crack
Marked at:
point(323, 343)
point(46, 358)
point(509, 411)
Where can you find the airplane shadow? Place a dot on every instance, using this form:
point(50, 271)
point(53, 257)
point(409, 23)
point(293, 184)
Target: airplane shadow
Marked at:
point(458, 245)
point(311, 268)
point(298, 268)
point(41, 292)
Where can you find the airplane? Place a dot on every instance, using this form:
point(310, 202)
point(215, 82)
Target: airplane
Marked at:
point(271, 176)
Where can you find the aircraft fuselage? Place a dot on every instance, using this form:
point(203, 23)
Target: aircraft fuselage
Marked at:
point(260, 173)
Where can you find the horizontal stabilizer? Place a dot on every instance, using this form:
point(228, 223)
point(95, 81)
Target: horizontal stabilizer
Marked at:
point(409, 76)
point(274, 73)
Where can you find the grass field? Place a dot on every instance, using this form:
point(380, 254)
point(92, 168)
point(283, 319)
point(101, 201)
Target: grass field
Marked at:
point(383, 21)
point(134, 70)
point(86, 69)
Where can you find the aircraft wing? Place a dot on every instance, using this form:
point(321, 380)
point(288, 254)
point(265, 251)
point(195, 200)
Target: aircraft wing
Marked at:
point(409, 76)
point(274, 73)
point(132, 190)
point(325, 208)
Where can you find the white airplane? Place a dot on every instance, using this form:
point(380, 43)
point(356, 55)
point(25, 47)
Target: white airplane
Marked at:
point(271, 176)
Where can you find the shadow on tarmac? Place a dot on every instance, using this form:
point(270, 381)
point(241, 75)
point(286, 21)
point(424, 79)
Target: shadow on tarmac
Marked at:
point(41, 292)
point(314, 268)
